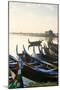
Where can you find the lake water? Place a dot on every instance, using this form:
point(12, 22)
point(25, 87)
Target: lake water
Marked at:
point(21, 40)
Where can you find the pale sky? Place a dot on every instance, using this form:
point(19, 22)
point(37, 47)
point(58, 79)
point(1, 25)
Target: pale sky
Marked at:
point(35, 18)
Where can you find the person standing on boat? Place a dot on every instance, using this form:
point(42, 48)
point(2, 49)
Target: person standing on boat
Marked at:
point(49, 35)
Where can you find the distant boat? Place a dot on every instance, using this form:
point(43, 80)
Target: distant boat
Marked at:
point(34, 43)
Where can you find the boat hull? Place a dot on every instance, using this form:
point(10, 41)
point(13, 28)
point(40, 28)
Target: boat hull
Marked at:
point(36, 69)
point(37, 76)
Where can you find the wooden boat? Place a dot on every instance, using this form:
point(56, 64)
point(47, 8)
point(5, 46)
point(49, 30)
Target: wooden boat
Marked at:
point(34, 43)
point(13, 68)
point(13, 63)
point(50, 54)
point(38, 69)
point(53, 47)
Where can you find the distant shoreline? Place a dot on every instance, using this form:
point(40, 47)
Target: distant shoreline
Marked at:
point(33, 34)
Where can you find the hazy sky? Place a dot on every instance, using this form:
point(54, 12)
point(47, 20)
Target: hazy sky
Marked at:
point(28, 17)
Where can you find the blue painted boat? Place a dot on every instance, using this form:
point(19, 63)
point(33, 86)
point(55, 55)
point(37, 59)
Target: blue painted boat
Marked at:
point(38, 69)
